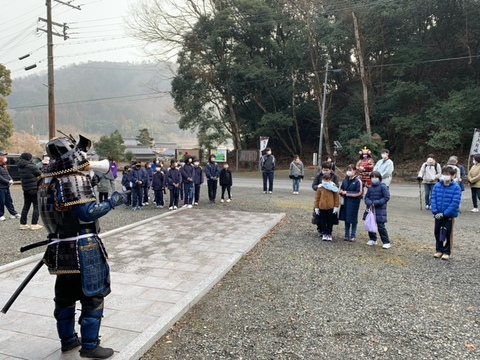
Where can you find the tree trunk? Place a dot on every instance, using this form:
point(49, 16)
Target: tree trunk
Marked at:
point(295, 120)
point(237, 142)
point(362, 74)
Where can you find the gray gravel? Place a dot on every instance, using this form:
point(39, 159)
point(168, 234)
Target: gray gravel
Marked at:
point(296, 297)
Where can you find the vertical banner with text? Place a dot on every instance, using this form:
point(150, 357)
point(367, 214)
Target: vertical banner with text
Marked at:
point(263, 142)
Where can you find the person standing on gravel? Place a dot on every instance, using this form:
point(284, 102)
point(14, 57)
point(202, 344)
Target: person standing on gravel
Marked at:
point(267, 165)
point(29, 173)
point(378, 196)
point(474, 180)
point(446, 198)
point(385, 167)
point(6, 181)
point(429, 174)
point(212, 172)
point(351, 191)
point(297, 172)
point(327, 203)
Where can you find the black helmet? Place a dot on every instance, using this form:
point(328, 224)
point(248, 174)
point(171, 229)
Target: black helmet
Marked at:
point(66, 153)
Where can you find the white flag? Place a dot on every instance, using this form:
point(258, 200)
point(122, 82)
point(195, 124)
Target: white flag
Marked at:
point(475, 148)
point(263, 143)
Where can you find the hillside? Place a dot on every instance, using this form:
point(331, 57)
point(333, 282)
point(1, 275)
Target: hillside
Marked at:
point(98, 98)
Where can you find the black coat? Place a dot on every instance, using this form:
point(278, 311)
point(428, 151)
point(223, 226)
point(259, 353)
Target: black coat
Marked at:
point(226, 178)
point(28, 172)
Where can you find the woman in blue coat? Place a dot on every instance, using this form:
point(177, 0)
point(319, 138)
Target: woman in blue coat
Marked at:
point(378, 195)
point(351, 191)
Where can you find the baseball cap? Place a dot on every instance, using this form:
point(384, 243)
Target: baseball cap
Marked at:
point(3, 153)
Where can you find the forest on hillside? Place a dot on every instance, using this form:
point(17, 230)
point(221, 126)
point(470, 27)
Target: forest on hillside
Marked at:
point(98, 98)
point(401, 74)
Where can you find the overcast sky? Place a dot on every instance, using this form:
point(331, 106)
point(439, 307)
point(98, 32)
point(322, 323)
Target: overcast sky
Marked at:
point(97, 33)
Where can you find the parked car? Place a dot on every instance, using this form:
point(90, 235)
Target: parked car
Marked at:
point(12, 160)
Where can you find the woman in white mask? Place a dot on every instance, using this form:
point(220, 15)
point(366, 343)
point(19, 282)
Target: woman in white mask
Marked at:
point(474, 180)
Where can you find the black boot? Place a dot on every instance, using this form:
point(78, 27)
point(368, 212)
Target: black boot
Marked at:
point(96, 353)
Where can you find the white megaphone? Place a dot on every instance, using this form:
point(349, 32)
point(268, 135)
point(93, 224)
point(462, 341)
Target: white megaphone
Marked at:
point(102, 166)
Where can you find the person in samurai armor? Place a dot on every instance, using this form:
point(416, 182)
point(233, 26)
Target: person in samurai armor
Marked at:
point(75, 253)
point(365, 166)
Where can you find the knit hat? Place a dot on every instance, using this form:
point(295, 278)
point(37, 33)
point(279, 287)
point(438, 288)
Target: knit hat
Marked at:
point(26, 156)
point(430, 161)
point(477, 158)
point(452, 160)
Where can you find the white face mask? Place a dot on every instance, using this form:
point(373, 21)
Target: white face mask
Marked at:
point(384, 156)
point(269, 152)
point(349, 173)
point(474, 161)
point(446, 178)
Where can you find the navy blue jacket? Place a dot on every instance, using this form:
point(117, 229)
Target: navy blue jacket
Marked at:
point(198, 179)
point(138, 175)
point(352, 200)
point(173, 177)
point(226, 178)
point(378, 195)
point(212, 171)
point(446, 199)
point(126, 178)
point(187, 171)
point(158, 181)
point(4, 177)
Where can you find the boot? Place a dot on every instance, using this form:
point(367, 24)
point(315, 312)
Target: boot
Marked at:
point(90, 328)
point(66, 328)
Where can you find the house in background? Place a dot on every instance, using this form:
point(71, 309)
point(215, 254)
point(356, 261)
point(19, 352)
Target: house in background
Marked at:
point(139, 151)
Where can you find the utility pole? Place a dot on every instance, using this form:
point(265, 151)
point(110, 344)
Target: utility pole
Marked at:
point(322, 121)
point(50, 73)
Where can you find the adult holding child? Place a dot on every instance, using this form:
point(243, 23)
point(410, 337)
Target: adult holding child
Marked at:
point(351, 191)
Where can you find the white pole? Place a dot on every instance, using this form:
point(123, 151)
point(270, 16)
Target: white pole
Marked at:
point(322, 120)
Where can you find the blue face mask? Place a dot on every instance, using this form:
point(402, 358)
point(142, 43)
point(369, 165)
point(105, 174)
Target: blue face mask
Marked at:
point(375, 181)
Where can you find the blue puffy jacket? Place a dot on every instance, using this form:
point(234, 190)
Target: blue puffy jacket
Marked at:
point(446, 199)
point(378, 195)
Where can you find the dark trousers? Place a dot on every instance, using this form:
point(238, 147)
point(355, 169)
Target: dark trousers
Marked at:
point(443, 247)
point(159, 197)
point(145, 194)
point(102, 196)
point(475, 196)
point(137, 196)
point(197, 192)
point(382, 230)
point(212, 189)
point(6, 202)
point(129, 196)
point(428, 193)
point(28, 200)
point(325, 225)
point(229, 191)
point(174, 194)
point(268, 176)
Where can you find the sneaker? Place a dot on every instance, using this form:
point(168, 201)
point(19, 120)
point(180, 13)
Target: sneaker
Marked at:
point(474, 210)
point(159, 207)
point(36, 227)
point(140, 208)
point(175, 208)
point(325, 237)
point(24, 227)
point(353, 239)
point(319, 233)
point(427, 207)
point(2, 218)
point(437, 255)
point(387, 246)
point(445, 257)
point(228, 200)
point(96, 353)
point(346, 238)
point(270, 192)
point(264, 192)
point(371, 242)
point(221, 200)
point(185, 205)
point(189, 206)
point(329, 238)
point(170, 208)
point(134, 208)
point(195, 203)
point(16, 216)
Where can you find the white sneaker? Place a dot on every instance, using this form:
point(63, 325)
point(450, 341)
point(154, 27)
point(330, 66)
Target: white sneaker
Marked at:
point(36, 227)
point(221, 200)
point(270, 192)
point(195, 203)
point(264, 192)
point(175, 208)
point(189, 206)
point(474, 210)
point(228, 200)
point(2, 218)
point(387, 246)
point(371, 242)
point(170, 208)
point(24, 227)
point(16, 216)
point(185, 205)
point(324, 237)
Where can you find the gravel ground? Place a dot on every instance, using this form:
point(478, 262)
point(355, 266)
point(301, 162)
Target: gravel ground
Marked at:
point(297, 297)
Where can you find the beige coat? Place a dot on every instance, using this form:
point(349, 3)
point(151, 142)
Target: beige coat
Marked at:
point(474, 176)
point(326, 199)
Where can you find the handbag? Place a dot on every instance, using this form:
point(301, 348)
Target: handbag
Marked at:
point(315, 218)
point(371, 221)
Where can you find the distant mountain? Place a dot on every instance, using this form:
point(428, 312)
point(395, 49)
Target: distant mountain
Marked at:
point(98, 98)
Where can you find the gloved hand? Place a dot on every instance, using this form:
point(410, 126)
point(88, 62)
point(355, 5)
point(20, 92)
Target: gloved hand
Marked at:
point(335, 210)
point(117, 199)
point(124, 188)
point(438, 216)
point(10, 183)
point(317, 211)
point(419, 178)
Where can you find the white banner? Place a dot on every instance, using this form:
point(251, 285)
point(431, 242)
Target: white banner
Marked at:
point(475, 148)
point(263, 142)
